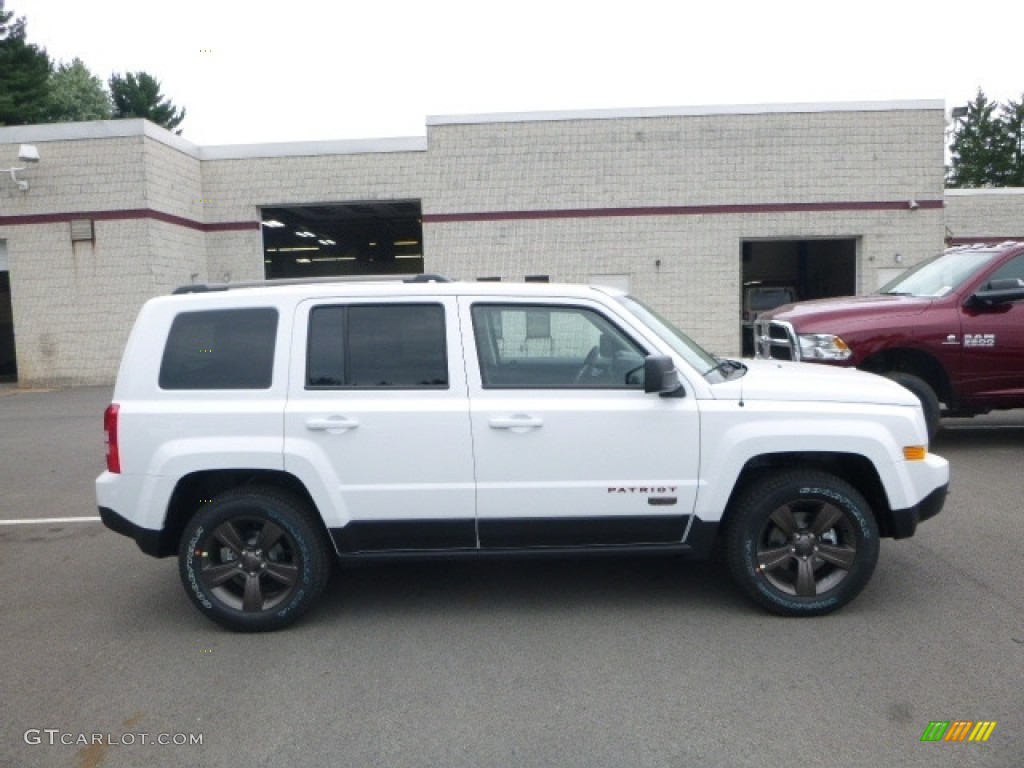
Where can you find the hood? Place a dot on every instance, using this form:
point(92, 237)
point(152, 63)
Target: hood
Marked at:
point(811, 382)
point(849, 308)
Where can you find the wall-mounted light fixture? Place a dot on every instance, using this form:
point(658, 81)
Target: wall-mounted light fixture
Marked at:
point(27, 153)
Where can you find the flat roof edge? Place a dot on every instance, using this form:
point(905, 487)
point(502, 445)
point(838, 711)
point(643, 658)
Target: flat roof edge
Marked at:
point(314, 148)
point(985, 191)
point(96, 129)
point(138, 127)
point(696, 111)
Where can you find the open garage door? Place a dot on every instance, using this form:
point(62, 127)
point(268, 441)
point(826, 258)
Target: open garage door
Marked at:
point(8, 363)
point(776, 272)
point(339, 239)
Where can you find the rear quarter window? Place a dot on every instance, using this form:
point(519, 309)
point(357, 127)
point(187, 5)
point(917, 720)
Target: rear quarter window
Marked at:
point(220, 349)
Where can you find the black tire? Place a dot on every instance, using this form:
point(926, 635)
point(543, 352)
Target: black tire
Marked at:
point(252, 559)
point(802, 543)
point(923, 392)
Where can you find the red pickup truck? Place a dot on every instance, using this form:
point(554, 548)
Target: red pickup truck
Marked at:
point(951, 330)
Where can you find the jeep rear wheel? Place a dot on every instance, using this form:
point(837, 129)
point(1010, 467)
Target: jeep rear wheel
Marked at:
point(252, 560)
point(802, 544)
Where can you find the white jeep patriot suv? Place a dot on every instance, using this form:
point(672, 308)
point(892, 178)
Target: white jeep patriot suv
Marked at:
point(262, 432)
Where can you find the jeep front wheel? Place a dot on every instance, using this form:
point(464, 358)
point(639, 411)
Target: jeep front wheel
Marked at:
point(803, 543)
point(252, 560)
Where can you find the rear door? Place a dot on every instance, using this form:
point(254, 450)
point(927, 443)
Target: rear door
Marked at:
point(569, 449)
point(377, 422)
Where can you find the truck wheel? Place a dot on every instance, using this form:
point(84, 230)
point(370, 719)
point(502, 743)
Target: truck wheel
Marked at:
point(252, 560)
point(929, 402)
point(803, 543)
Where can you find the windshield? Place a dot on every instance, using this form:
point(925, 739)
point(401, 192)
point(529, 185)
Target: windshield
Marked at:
point(939, 275)
point(681, 344)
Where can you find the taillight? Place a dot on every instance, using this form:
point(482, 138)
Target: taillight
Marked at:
point(110, 428)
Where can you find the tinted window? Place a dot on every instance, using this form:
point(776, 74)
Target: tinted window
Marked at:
point(400, 346)
point(1013, 269)
point(546, 347)
point(220, 349)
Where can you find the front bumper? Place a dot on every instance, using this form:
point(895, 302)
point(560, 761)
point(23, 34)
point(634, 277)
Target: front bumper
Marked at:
point(902, 523)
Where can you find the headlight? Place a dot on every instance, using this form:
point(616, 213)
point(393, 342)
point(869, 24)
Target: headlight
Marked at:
point(823, 346)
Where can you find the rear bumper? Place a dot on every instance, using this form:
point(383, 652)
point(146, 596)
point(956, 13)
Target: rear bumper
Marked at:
point(149, 541)
point(903, 522)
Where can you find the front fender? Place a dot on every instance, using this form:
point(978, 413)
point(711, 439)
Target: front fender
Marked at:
point(733, 435)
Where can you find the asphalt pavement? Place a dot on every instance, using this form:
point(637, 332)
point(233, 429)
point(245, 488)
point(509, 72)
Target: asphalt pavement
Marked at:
point(609, 662)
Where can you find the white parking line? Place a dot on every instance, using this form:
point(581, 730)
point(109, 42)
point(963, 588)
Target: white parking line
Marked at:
point(50, 520)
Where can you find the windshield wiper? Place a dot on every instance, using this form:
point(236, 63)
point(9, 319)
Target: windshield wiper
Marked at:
point(727, 367)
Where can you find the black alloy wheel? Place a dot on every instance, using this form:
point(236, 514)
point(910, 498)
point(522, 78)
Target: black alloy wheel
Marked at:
point(252, 560)
point(802, 543)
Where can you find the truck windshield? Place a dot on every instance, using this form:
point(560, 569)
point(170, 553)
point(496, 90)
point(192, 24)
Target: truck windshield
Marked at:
point(939, 275)
point(681, 344)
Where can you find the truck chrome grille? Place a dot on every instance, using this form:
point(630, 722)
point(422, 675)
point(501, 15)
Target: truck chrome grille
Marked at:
point(774, 340)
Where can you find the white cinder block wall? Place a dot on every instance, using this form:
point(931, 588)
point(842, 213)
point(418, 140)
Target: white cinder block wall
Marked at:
point(668, 199)
point(660, 198)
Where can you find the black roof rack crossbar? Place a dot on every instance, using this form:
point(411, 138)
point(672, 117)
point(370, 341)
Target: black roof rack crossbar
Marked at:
point(426, 277)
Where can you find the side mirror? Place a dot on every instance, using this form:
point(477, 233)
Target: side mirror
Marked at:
point(661, 376)
point(999, 292)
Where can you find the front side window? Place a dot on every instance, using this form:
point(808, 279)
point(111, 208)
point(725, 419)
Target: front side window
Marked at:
point(220, 349)
point(552, 347)
point(399, 346)
point(703, 361)
point(1011, 270)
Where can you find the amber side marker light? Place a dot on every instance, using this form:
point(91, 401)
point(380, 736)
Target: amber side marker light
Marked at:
point(915, 452)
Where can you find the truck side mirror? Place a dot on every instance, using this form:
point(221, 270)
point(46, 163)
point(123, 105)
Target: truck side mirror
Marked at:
point(998, 292)
point(661, 376)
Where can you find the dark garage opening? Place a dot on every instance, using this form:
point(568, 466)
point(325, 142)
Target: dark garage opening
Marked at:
point(777, 272)
point(341, 239)
point(8, 362)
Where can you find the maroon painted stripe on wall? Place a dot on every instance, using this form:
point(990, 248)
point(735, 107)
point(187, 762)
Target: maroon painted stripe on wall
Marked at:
point(679, 210)
point(987, 239)
point(132, 213)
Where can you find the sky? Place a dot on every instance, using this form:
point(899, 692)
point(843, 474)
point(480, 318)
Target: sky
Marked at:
point(251, 71)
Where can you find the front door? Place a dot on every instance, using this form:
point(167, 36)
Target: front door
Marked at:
point(993, 346)
point(569, 450)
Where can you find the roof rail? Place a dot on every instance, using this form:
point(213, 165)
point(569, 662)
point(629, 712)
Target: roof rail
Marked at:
point(426, 277)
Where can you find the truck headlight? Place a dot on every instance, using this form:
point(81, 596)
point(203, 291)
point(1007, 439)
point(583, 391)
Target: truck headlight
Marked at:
point(823, 346)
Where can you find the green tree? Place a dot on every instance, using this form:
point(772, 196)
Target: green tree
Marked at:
point(1013, 122)
point(24, 73)
point(137, 94)
point(976, 147)
point(987, 149)
point(75, 93)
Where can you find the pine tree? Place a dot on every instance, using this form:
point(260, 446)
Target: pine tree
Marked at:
point(1013, 126)
point(24, 73)
point(137, 94)
point(976, 145)
point(988, 145)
